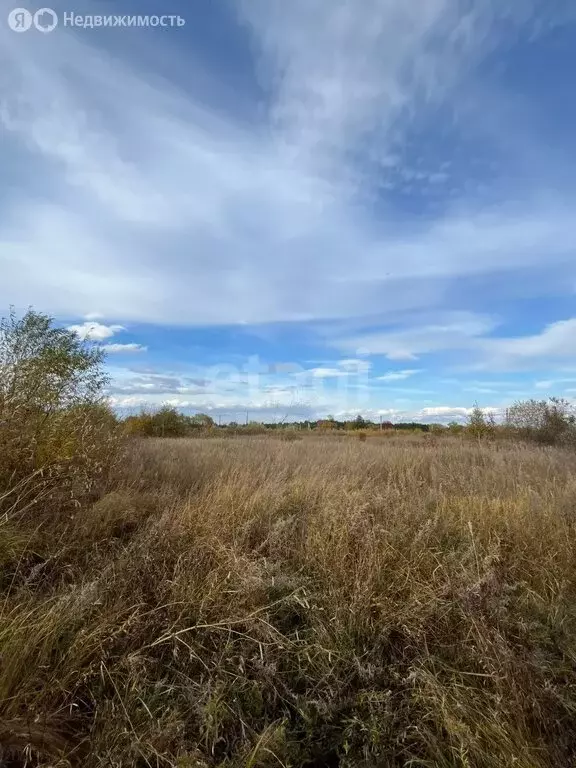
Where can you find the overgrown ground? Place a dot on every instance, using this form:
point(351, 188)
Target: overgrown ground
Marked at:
point(316, 602)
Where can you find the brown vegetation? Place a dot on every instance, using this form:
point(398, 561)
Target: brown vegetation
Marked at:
point(256, 602)
point(268, 600)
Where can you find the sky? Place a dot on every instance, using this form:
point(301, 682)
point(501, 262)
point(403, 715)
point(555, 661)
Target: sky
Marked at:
point(283, 210)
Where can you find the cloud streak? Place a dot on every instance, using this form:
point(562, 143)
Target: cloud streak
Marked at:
point(399, 375)
point(119, 349)
point(345, 90)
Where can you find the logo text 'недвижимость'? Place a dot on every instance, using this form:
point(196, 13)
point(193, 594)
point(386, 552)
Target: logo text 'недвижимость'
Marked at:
point(46, 20)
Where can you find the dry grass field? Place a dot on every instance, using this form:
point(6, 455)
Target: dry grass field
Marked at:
point(255, 601)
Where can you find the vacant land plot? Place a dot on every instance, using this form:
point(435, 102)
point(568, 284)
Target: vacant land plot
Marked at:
point(316, 602)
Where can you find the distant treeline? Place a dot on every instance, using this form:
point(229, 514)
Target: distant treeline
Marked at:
point(548, 422)
point(169, 422)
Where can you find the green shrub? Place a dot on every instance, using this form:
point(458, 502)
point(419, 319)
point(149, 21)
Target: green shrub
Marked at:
point(166, 422)
point(549, 422)
point(56, 429)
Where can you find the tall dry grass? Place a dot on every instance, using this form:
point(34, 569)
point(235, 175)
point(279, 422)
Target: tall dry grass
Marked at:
point(263, 602)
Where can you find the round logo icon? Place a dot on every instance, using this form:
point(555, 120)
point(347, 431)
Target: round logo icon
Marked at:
point(20, 20)
point(45, 20)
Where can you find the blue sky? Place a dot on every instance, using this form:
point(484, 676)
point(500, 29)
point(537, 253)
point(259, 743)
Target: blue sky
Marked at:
point(300, 208)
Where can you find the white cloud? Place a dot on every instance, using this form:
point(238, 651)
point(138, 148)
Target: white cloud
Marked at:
point(447, 413)
point(95, 331)
point(470, 333)
point(114, 349)
point(154, 385)
point(557, 341)
point(347, 368)
point(344, 75)
point(399, 375)
point(449, 331)
point(134, 168)
point(554, 383)
point(324, 373)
